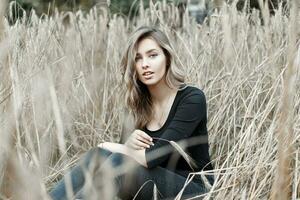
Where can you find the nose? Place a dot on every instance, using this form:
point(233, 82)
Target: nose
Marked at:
point(145, 64)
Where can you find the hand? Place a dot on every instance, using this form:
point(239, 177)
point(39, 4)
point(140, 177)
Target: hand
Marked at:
point(139, 140)
point(101, 145)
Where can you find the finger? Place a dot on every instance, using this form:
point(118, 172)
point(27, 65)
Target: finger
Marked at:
point(137, 147)
point(145, 135)
point(137, 136)
point(150, 142)
point(143, 140)
point(142, 144)
point(133, 145)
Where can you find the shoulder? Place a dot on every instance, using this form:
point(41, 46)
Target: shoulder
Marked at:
point(192, 93)
point(191, 103)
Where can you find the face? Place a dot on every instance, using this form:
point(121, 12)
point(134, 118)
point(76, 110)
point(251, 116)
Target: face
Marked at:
point(150, 62)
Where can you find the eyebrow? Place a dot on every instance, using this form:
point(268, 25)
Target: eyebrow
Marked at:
point(148, 51)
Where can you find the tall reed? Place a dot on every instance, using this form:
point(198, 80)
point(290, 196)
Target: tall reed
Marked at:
point(60, 93)
point(282, 187)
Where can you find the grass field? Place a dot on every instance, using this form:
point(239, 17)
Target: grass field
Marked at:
point(60, 87)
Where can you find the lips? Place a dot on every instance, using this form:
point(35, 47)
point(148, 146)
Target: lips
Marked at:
point(147, 73)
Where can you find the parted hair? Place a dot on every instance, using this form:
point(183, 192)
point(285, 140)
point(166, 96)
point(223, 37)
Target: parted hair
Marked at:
point(138, 98)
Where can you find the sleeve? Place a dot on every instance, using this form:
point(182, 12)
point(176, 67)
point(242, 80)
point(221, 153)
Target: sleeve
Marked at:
point(190, 112)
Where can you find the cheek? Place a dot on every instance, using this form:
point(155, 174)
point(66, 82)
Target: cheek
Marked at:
point(162, 65)
point(137, 74)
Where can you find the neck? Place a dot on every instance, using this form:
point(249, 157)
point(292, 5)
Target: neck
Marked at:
point(160, 92)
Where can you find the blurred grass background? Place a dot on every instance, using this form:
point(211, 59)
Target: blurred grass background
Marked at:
point(125, 8)
point(61, 91)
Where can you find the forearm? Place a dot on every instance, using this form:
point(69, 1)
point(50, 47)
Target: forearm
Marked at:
point(137, 155)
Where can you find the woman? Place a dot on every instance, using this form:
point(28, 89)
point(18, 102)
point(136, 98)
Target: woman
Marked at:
point(165, 111)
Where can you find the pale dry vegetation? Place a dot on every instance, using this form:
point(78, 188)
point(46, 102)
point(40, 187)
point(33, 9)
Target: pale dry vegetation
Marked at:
point(61, 94)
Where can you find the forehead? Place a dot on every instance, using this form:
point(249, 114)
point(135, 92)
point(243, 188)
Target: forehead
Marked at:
point(146, 45)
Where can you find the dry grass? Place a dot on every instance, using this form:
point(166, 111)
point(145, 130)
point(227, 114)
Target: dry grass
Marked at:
point(60, 94)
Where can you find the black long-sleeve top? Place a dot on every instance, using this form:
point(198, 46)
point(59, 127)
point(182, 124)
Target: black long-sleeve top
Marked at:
point(186, 122)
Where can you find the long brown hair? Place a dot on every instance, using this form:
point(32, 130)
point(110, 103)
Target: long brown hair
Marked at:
point(138, 98)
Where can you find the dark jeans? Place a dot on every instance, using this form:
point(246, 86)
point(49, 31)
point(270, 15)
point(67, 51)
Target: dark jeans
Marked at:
point(127, 184)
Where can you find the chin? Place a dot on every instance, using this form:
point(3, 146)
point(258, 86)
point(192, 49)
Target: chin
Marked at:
point(151, 82)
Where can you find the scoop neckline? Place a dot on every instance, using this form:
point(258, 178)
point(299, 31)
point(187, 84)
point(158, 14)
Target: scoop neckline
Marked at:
point(168, 118)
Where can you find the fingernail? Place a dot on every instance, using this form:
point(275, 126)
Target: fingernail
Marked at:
point(148, 146)
point(152, 144)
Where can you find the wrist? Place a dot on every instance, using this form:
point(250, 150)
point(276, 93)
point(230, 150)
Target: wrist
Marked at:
point(128, 150)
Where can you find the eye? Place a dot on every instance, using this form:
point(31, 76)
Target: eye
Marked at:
point(153, 55)
point(137, 58)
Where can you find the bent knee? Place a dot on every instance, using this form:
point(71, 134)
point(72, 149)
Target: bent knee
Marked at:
point(116, 159)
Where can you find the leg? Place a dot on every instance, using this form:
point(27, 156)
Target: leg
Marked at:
point(105, 181)
point(168, 184)
point(87, 163)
